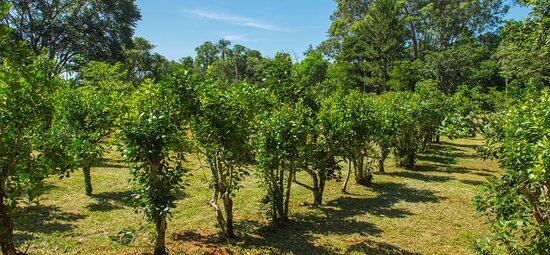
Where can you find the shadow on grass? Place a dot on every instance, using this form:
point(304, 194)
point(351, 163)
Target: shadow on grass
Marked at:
point(473, 182)
point(39, 219)
point(422, 177)
point(109, 201)
point(389, 194)
point(438, 158)
point(458, 146)
point(430, 168)
point(111, 165)
point(371, 247)
point(448, 153)
point(337, 217)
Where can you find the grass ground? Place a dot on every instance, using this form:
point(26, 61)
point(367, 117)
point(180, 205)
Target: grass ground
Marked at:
point(425, 211)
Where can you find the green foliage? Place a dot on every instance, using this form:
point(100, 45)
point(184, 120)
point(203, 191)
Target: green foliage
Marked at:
point(408, 139)
point(388, 120)
point(431, 110)
point(152, 133)
point(228, 65)
point(405, 74)
point(394, 44)
point(276, 76)
point(222, 127)
point(75, 32)
point(517, 203)
point(83, 118)
point(25, 112)
point(523, 52)
point(376, 42)
point(142, 63)
point(465, 111)
point(311, 71)
point(280, 140)
point(153, 136)
point(461, 64)
point(341, 76)
point(349, 125)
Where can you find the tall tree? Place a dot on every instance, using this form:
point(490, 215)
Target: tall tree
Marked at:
point(347, 12)
point(317, 159)
point(207, 54)
point(378, 40)
point(424, 26)
point(142, 63)
point(75, 31)
point(523, 54)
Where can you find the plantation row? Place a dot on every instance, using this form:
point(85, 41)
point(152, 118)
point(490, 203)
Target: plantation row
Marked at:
point(288, 123)
point(272, 118)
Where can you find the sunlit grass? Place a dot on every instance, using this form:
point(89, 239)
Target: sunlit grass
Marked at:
point(425, 211)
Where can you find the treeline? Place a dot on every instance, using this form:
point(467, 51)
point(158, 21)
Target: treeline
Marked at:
point(391, 79)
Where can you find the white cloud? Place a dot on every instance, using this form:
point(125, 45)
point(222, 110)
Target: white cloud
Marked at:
point(235, 38)
point(236, 20)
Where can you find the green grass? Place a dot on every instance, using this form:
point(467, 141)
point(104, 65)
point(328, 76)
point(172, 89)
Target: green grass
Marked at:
point(425, 211)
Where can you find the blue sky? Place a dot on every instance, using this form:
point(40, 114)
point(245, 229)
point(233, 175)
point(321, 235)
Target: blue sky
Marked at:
point(176, 27)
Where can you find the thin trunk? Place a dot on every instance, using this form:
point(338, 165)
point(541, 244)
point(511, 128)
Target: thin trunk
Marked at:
point(216, 195)
point(87, 179)
point(280, 194)
point(383, 155)
point(344, 187)
point(410, 160)
point(273, 190)
point(359, 171)
point(216, 207)
point(318, 196)
point(160, 221)
point(292, 168)
point(315, 189)
point(532, 198)
point(6, 232)
point(228, 206)
point(225, 192)
point(160, 240)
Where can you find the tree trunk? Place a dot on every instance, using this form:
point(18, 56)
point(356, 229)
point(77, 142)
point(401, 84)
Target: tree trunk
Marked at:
point(273, 188)
point(319, 190)
point(410, 160)
point(216, 195)
point(160, 219)
point(317, 196)
point(228, 206)
point(368, 179)
point(87, 179)
point(216, 207)
point(383, 156)
point(160, 240)
point(425, 141)
point(344, 187)
point(6, 231)
point(288, 186)
point(279, 196)
point(438, 138)
point(360, 177)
